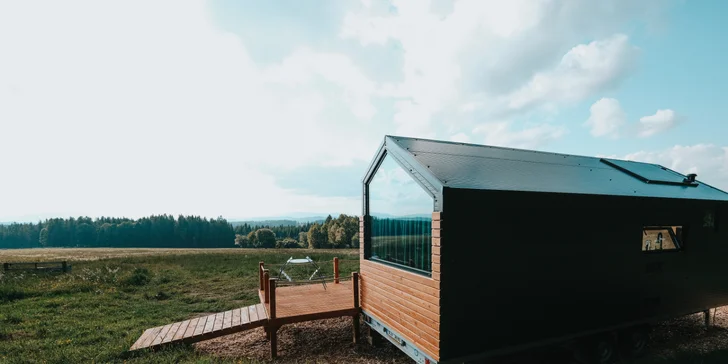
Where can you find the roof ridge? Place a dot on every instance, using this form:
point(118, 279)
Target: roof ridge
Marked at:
point(506, 148)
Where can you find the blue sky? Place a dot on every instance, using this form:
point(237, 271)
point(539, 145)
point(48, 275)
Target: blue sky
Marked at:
point(267, 108)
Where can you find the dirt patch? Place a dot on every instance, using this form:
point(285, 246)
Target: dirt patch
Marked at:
point(323, 341)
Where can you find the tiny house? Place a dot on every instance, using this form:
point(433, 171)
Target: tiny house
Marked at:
point(470, 251)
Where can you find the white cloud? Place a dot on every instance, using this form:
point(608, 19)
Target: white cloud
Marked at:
point(661, 121)
point(172, 115)
point(533, 137)
point(168, 115)
point(586, 69)
point(499, 57)
point(708, 161)
point(606, 117)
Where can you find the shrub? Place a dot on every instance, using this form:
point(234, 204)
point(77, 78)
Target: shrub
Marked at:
point(11, 293)
point(287, 243)
point(139, 277)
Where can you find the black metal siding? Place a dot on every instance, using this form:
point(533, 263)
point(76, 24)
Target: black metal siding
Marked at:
point(524, 267)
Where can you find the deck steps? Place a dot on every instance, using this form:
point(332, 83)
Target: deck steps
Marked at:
point(204, 328)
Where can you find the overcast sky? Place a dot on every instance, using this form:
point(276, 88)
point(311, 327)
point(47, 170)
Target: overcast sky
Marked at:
point(260, 108)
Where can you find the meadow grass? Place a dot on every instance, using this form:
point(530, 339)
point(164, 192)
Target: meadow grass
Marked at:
point(97, 311)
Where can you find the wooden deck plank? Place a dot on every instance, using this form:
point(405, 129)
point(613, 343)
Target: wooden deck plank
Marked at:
point(244, 316)
point(200, 326)
point(210, 324)
point(219, 318)
point(191, 328)
point(160, 336)
point(294, 304)
point(170, 334)
point(142, 339)
point(253, 310)
point(227, 319)
point(262, 313)
point(152, 335)
point(236, 317)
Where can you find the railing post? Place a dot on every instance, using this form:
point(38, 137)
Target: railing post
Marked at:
point(266, 278)
point(355, 318)
point(272, 298)
point(260, 276)
point(336, 270)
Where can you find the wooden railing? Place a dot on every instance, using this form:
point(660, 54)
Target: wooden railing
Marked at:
point(267, 287)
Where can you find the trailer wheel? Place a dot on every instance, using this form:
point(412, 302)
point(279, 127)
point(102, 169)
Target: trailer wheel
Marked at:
point(634, 342)
point(597, 350)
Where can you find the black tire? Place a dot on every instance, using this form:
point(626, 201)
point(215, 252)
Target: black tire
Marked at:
point(597, 350)
point(634, 342)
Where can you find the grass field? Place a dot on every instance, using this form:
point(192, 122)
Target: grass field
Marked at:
point(95, 312)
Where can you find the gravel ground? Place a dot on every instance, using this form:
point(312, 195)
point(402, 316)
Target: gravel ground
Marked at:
point(329, 341)
point(323, 341)
point(688, 335)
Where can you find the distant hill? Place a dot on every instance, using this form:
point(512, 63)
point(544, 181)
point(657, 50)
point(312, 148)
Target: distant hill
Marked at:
point(285, 221)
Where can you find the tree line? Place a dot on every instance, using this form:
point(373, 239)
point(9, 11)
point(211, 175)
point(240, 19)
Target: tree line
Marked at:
point(166, 231)
point(333, 233)
point(160, 231)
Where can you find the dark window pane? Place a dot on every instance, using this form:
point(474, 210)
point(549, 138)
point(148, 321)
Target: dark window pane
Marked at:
point(401, 211)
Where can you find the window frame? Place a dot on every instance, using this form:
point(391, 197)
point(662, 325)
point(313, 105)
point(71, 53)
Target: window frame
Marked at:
point(679, 243)
point(368, 218)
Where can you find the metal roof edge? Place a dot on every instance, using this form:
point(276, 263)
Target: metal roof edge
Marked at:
point(429, 178)
point(375, 161)
point(725, 200)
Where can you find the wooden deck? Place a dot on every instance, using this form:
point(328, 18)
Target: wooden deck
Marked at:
point(204, 328)
point(311, 302)
point(278, 306)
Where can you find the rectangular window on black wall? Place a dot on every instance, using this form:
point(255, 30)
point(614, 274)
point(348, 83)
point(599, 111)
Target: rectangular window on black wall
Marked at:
point(401, 219)
point(662, 238)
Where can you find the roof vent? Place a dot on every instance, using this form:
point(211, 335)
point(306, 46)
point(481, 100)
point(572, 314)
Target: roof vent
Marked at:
point(690, 178)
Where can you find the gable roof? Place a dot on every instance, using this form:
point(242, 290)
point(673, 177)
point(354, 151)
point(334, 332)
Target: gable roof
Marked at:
point(439, 164)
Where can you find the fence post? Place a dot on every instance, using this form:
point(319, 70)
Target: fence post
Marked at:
point(336, 270)
point(260, 276)
point(6, 267)
point(266, 293)
point(64, 266)
point(355, 318)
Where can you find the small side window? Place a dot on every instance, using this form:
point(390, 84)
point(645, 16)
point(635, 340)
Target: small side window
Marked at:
point(662, 238)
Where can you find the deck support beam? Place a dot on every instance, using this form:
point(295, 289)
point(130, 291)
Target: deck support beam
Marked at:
point(355, 318)
point(708, 319)
point(273, 332)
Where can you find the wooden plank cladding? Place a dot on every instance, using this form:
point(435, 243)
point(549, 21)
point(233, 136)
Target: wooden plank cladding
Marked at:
point(407, 302)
